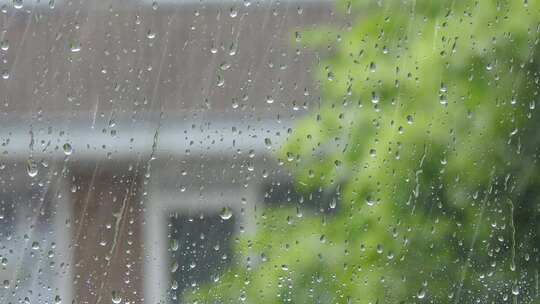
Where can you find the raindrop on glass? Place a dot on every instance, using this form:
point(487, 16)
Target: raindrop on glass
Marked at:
point(116, 298)
point(225, 213)
point(75, 47)
point(18, 4)
point(421, 293)
point(31, 168)
point(67, 149)
point(4, 45)
point(150, 35)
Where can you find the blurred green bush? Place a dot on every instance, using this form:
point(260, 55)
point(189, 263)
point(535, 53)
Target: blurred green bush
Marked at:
point(428, 134)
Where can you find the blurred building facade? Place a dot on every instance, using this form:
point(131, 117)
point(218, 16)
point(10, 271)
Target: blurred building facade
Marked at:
point(130, 128)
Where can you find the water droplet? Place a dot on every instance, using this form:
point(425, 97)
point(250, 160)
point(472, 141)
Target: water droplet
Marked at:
point(18, 4)
point(174, 245)
point(443, 88)
point(5, 74)
point(232, 49)
point(269, 100)
point(75, 47)
point(220, 81)
point(410, 119)
point(421, 293)
point(298, 36)
point(333, 203)
point(225, 213)
point(4, 45)
point(150, 35)
point(31, 168)
point(224, 66)
point(374, 98)
point(443, 100)
point(67, 149)
point(116, 298)
point(233, 12)
point(174, 267)
point(372, 67)
point(513, 100)
point(370, 201)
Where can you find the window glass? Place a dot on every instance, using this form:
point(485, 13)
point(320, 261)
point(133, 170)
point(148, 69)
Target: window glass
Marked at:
point(266, 151)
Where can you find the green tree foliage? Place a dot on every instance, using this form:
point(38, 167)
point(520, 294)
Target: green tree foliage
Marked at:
point(428, 135)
